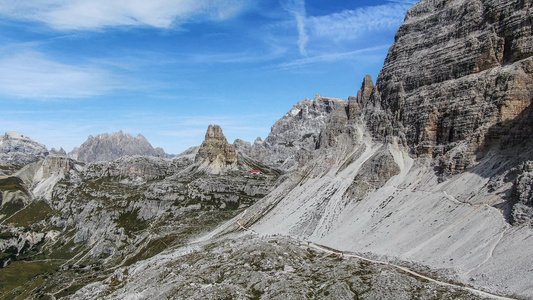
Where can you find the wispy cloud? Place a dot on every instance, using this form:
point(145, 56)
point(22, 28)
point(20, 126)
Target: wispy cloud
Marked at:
point(351, 24)
point(31, 75)
point(297, 9)
point(330, 57)
point(98, 14)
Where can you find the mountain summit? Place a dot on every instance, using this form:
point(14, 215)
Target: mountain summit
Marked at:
point(108, 147)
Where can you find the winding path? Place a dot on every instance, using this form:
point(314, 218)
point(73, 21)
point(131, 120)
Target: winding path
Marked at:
point(405, 269)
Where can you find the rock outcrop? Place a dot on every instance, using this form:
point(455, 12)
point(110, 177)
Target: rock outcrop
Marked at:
point(215, 153)
point(108, 147)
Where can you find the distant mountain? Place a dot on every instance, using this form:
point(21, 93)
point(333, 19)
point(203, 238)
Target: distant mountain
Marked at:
point(108, 147)
point(17, 150)
point(15, 142)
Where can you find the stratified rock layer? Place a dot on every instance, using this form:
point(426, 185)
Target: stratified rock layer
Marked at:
point(458, 75)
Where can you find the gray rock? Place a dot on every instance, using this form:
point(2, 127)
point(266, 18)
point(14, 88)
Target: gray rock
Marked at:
point(14, 142)
point(298, 132)
point(60, 152)
point(17, 150)
point(108, 147)
point(215, 152)
point(458, 75)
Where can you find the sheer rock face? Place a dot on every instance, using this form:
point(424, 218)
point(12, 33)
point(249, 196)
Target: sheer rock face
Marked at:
point(215, 151)
point(108, 147)
point(456, 70)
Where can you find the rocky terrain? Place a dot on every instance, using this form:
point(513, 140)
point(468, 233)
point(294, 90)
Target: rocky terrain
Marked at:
point(107, 147)
point(80, 221)
point(431, 164)
point(264, 268)
point(17, 150)
point(429, 169)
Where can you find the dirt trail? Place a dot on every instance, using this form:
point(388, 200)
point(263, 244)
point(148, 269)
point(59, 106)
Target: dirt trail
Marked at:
point(405, 269)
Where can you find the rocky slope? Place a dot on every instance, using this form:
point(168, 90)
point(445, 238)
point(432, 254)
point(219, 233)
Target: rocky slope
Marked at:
point(17, 150)
point(264, 268)
point(431, 164)
point(108, 147)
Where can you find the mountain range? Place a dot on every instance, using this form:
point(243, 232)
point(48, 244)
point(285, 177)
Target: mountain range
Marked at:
point(419, 186)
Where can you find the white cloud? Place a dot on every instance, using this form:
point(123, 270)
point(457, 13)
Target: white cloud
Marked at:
point(97, 14)
point(297, 9)
point(351, 24)
point(30, 75)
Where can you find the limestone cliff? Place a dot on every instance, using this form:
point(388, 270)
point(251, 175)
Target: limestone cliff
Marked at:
point(458, 76)
point(308, 126)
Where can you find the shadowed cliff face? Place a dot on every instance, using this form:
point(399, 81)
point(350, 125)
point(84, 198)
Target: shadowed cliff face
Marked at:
point(457, 68)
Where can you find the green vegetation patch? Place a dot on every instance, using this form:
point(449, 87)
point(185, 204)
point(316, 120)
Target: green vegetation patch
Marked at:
point(11, 184)
point(31, 214)
point(153, 248)
point(66, 251)
point(11, 208)
point(21, 273)
point(130, 221)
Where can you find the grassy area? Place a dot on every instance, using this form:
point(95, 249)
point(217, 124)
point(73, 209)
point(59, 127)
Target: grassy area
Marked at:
point(130, 221)
point(11, 208)
point(153, 247)
point(11, 184)
point(20, 274)
point(67, 250)
point(33, 213)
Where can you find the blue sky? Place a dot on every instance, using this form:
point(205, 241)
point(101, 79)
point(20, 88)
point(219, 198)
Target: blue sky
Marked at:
point(168, 68)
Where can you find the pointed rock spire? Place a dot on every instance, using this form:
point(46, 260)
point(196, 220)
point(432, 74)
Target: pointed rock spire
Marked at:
point(215, 149)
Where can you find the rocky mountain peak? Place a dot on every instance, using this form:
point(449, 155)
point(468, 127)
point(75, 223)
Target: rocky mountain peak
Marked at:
point(60, 152)
point(108, 147)
point(215, 151)
point(15, 142)
point(215, 132)
point(17, 150)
